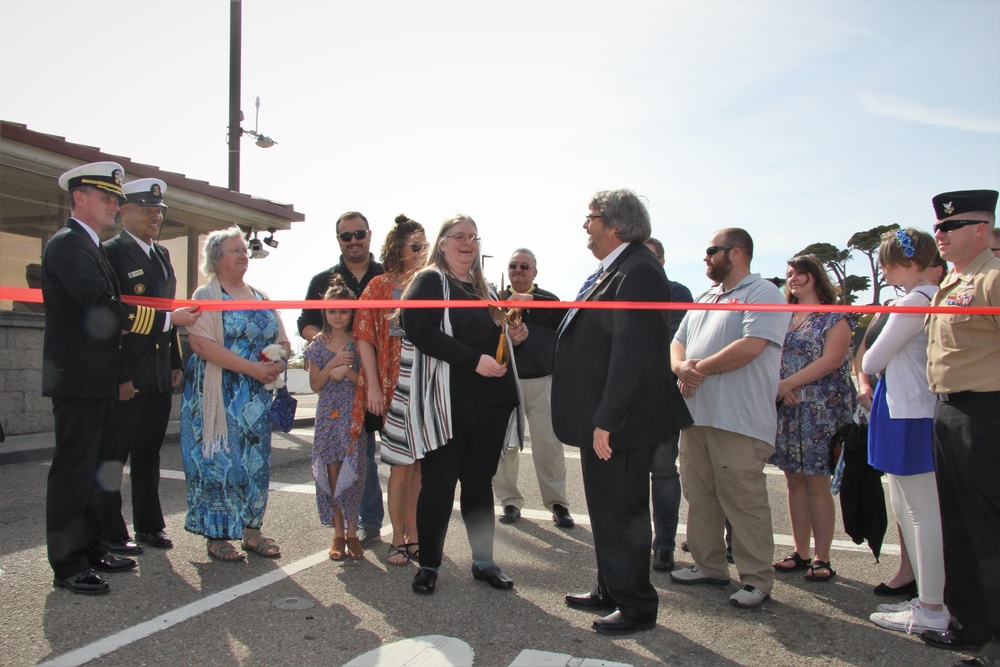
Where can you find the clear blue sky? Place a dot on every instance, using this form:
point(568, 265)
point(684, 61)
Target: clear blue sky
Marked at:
point(800, 121)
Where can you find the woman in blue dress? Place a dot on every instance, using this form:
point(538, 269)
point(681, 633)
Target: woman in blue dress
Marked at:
point(226, 412)
point(816, 397)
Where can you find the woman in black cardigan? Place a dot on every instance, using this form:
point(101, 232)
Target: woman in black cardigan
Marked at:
point(482, 392)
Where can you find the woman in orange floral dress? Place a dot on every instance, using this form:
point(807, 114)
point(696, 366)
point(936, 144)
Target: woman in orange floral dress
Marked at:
point(379, 339)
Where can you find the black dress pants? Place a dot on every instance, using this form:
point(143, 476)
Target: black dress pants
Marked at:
point(617, 492)
point(470, 457)
point(72, 524)
point(140, 424)
point(967, 467)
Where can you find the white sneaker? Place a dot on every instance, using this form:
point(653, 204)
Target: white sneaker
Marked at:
point(692, 575)
point(748, 597)
point(910, 621)
point(897, 606)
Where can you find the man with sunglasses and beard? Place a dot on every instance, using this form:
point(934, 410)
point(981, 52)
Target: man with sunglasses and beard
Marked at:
point(727, 363)
point(534, 356)
point(963, 369)
point(357, 266)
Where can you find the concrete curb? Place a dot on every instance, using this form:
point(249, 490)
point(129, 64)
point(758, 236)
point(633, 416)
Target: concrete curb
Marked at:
point(41, 446)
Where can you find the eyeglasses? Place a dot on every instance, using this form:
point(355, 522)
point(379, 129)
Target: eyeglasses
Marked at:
point(592, 216)
point(357, 234)
point(513, 266)
point(463, 238)
point(952, 225)
point(712, 249)
point(238, 251)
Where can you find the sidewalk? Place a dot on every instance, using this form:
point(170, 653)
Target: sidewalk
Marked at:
point(40, 446)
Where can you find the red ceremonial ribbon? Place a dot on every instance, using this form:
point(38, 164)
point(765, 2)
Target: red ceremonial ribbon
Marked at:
point(30, 295)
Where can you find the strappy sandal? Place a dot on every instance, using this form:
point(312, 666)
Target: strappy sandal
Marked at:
point(412, 551)
point(797, 561)
point(265, 546)
point(224, 552)
point(338, 549)
point(820, 565)
point(354, 548)
point(398, 552)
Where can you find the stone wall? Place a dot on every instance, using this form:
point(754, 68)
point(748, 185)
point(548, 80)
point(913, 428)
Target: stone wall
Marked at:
point(23, 409)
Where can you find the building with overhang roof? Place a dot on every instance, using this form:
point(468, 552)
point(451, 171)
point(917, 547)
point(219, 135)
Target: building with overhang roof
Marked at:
point(33, 207)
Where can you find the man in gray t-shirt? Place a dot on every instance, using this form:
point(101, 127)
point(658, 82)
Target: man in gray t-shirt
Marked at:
point(727, 363)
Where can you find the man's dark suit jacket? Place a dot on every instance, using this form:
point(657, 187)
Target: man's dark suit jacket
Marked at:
point(612, 367)
point(84, 318)
point(146, 360)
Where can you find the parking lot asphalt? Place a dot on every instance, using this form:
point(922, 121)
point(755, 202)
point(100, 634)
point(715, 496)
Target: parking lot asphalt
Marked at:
point(180, 608)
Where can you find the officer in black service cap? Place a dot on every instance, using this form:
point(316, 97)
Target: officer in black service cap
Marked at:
point(963, 369)
point(84, 321)
point(149, 371)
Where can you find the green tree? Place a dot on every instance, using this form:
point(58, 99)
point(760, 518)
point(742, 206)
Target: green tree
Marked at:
point(867, 243)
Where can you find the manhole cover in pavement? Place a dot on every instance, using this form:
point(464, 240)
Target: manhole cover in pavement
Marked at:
point(293, 604)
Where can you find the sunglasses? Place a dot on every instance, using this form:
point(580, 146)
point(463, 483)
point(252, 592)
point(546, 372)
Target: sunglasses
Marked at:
point(712, 249)
point(417, 247)
point(952, 225)
point(513, 266)
point(357, 234)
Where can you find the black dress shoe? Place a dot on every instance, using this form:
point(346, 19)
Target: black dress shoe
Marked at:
point(424, 581)
point(978, 661)
point(113, 563)
point(127, 547)
point(561, 517)
point(492, 575)
point(953, 640)
point(617, 623)
point(159, 539)
point(906, 590)
point(84, 583)
point(510, 514)
point(663, 561)
point(589, 601)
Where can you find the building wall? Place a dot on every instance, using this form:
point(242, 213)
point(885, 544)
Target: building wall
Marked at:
point(23, 409)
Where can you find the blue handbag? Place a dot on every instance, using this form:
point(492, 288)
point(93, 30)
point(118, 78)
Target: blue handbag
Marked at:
point(283, 408)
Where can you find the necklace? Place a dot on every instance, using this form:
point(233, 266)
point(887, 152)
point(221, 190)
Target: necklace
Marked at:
point(798, 319)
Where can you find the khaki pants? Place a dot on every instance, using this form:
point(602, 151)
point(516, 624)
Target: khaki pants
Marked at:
point(722, 474)
point(546, 451)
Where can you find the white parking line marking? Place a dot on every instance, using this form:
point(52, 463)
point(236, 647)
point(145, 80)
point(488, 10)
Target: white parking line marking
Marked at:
point(128, 636)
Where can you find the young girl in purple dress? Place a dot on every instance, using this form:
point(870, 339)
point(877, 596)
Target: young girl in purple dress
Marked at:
point(338, 462)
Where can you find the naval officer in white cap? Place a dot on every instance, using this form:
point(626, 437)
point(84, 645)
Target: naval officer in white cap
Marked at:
point(149, 371)
point(84, 321)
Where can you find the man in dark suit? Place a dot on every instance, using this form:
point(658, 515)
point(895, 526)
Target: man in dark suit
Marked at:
point(84, 321)
point(150, 369)
point(613, 395)
point(665, 479)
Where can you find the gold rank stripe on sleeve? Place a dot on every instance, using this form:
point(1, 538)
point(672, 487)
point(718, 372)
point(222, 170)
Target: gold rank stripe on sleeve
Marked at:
point(143, 322)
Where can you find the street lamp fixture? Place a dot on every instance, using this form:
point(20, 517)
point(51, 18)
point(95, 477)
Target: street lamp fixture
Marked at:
point(263, 141)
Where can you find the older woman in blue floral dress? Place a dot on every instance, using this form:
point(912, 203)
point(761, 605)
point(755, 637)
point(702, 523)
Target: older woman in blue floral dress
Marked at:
point(226, 412)
point(816, 397)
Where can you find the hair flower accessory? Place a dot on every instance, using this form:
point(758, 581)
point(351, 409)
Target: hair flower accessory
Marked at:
point(905, 242)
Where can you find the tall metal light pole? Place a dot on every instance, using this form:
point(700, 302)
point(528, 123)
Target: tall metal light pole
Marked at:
point(235, 65)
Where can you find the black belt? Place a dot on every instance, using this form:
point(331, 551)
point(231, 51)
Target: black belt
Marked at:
point(963, 395)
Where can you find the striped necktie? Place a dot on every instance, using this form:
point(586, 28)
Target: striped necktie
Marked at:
point(587, 284)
